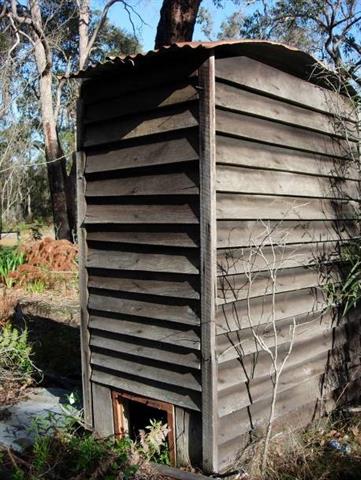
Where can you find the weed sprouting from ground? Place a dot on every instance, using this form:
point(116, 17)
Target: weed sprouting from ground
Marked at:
point(17, 369)
point(10, 260)
point(329, 450)
point(63, 449)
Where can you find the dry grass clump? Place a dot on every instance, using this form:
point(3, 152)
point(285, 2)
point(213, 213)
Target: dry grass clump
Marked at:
point(8, 302)
point(329, 450)
point(48, 264)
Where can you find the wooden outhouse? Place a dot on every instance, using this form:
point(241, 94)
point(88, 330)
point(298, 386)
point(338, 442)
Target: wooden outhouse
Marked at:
point(205, 171)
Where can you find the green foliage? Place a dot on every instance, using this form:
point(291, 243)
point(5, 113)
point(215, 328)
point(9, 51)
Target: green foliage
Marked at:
point(10, 260)
point(63, 449)
point(36, 286)
point(153, 442)
point(346, 294)
point(15, 355)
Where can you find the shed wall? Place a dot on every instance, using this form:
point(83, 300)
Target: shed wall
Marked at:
point(281, 183)
point(142, 234)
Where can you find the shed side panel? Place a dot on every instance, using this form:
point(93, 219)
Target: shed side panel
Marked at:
point(142, 223)
point(286, 196)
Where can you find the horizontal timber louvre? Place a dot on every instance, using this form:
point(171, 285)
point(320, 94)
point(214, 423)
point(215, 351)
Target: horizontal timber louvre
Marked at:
point(142, 236)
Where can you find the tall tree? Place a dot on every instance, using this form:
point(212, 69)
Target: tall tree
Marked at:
point(177, 21)
point(330, 29)
point(58, 36)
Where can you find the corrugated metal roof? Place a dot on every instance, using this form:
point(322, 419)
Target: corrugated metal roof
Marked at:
point(286, 58)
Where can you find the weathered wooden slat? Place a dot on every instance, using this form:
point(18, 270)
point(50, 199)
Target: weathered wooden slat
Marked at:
point(170, 151)
point(154, 390)
point(139, 126)
point(248, 127)
point(233, 151)
point(236, 287)
point(242, 343)
point(242, 101)
point(291, 420)
point(239, 396)
point(324, 336)
point(147, 236)
point(262, 207)
point(244, 233)
point(208, 254)
point(172, 313)
point(231, 426)
point(177, 288)
point(138, 80)
point(185, 337)
point(147, 262)
point(182, 183)
point(251, 74)
point(143, 101)
point(103, 411)
point(151, 370)
point(145, 349)
point(258, 311)
point(152, 214)
point(256, 181)
point(238, 260)
point(83, 288)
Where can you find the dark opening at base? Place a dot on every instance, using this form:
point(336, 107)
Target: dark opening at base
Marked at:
point(133, 413)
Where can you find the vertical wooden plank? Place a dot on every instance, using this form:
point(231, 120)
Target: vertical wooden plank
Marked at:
point(83, 277)
point(103, 411)
point(208, 262)
point(182, 437)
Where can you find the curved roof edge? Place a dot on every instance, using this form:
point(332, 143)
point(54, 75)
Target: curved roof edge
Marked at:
point(278, 55)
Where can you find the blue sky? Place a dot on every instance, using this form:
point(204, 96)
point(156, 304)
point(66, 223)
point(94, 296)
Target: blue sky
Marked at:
point(149, 11)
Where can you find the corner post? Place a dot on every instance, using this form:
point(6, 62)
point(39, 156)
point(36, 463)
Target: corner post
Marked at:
point(83, 277)
point(208, 239)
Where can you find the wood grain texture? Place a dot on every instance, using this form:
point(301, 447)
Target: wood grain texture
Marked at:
point(149, 369)
point(83, 292)
point(259, 129)
point(259, 77)
point(139, 214)
point(182, 183)
point(242, 101)
point(145, 348)
point(145, 100)
point(262, 207)
point(154, 390)
point(147, 262)
point(256, 181)
point(103, 411)
point(172, 313)
point(169, 287)
point(208, 263)
point(139, 126)
point(184, 336)
point(146, 235)
point(246, 153)
point(171, 151)
point(241, 233)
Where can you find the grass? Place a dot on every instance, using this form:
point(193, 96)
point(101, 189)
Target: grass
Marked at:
point(10, 259)
point(312, 455)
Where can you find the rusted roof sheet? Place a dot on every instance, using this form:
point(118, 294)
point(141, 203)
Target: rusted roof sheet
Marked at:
point(286, 58)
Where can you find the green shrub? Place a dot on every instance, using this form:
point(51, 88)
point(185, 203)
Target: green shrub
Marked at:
point(10, 259)
point(346, 294)
point(15, 355)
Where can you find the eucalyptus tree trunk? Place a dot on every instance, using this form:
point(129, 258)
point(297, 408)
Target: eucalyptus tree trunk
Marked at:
point(56, 163)
point(177, 20)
